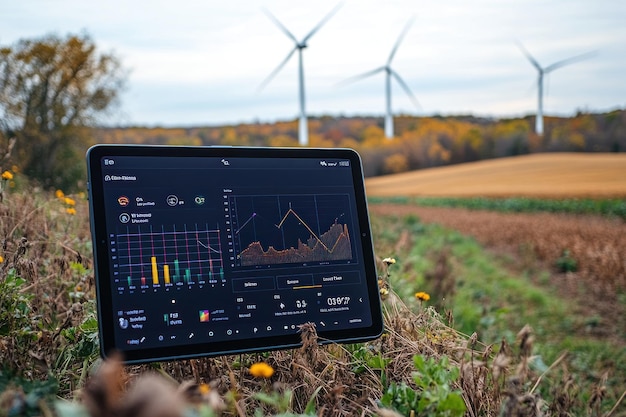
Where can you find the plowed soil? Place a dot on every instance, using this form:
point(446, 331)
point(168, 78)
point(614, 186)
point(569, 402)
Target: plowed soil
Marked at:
point(538, 239)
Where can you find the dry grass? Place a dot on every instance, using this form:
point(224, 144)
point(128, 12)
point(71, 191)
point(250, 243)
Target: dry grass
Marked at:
point(40, 242)
point(555, 175)
point(49, 249)
point(495, 380)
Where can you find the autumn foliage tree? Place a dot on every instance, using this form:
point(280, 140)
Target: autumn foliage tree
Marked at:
point(52, 90)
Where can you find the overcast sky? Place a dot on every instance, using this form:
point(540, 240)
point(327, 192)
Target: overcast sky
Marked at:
point(200, 62)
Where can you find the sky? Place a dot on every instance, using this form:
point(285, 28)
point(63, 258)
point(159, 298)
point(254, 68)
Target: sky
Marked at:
point(201, 62)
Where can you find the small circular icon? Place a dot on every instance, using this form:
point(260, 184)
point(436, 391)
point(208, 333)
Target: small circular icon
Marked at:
point(171, 200)
point(124, 218)
point(229, 332)
point(199, 200)
point(123, 323)
point(107, 178)
point(123, 200)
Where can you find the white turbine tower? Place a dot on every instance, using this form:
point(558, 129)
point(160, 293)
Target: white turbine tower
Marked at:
point(389, 72)
point(303, 130)
point(544, 71)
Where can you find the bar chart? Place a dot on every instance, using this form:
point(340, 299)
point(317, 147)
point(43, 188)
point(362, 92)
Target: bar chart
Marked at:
point(151, 257)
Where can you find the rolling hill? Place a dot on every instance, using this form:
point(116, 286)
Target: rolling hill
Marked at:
point(547, 175)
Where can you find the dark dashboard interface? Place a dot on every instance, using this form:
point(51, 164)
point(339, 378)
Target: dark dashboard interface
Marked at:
point(204, 251)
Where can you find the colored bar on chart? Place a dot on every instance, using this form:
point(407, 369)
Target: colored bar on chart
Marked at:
point(176, 270)
point(143, 280)
point(166, 273)
point(155, 271)
point(188, 276)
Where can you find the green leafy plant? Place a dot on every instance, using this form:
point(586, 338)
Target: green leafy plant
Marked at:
point(22, 397)
point(566, 263)
point(83, 340)
point(281, 401)
point(434, 394)
point(14, 306)
point(367, 358)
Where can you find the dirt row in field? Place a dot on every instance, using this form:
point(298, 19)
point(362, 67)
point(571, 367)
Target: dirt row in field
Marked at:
point(597, 244)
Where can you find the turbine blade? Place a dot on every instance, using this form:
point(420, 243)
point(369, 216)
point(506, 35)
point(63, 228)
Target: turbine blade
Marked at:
point(400, 38)
point(278, 68)
point(406, 88)
point(322, 22)
point(568, 61)
point(360, 76)
point(529, 57)
point(280, 25)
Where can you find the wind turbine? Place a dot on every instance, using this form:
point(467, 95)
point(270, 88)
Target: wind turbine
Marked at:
point(303, 130)
point(544, 71)
point(389, 72)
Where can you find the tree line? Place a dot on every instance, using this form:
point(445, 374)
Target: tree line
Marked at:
point(420, 142)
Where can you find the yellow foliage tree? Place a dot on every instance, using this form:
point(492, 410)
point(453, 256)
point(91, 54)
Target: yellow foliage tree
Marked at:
point(395, 163)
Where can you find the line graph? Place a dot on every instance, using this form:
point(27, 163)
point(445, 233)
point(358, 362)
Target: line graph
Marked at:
point(285, 229)
point(166, 256)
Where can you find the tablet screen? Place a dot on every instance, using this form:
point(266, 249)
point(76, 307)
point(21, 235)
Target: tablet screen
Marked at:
point(203, 251)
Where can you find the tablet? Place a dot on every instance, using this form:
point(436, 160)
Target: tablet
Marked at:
point(205, 251)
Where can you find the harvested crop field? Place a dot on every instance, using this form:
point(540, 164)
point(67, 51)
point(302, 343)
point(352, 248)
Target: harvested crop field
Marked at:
point(553, 175)
point(597, 245)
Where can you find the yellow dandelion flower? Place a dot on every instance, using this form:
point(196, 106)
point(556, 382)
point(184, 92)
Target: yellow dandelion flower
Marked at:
point(79, 288)
point(70, 201)
point(1, 259)
point(7, 175)
point(70, 210)
point(381, 282)
point(422, 296)
point(384, 291)
point(389, 261)
point(204, 389)
point(59, 194)
point(261, 370)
